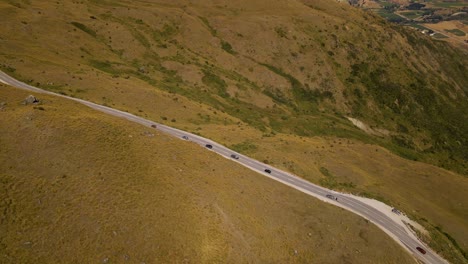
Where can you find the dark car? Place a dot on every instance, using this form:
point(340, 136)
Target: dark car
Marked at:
point(331, 197)
point(185, 137)
point(421, 250)
point(153, 126)
point(234, 156)
point(267, 171)
point(209, 146)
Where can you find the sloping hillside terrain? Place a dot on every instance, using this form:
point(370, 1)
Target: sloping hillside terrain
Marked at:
point(78, 186)
point(275, 80)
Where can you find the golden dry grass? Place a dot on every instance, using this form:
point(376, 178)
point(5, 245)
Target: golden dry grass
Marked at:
point(79, 186)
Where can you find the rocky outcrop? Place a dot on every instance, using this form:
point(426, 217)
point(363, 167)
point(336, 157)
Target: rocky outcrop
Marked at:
point(31, 99)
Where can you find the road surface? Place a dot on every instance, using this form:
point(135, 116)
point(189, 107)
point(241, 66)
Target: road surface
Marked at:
point(395, 229)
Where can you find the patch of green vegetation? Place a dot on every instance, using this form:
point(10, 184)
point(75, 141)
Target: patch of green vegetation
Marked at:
point(402, 150)
point(238, 78)
point(439, 36)
point(390, 16)
point(227, 47)
point(456, 32)
point(166, 32)
point(295, 84)
point(107, 3)
point(7, 68)
point(245, 147)
point(281, 32)
point(331, 182)
point(141, 38)
point(449, 4)
point(54, 87)
point(412, 14)
point(84, 28)
point(306, 98)
point(277, 96)
point(210, 28)
point(139, 21)
point(387, 4)
point(453, 241)
point(212, 80)
point(104, 66)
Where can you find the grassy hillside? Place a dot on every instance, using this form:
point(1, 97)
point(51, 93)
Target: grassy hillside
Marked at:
point(261, 76)
point(80, 186)
point(257, 61)
point(305, 58)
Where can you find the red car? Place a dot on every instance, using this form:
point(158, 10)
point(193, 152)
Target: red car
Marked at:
point(421, 250)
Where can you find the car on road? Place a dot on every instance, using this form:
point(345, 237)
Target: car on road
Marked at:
point(267, 170)
point(153, 126)
point(421, 250)
point(185, 137)
point(234, 156)
point(209, 146)
point(332, 197)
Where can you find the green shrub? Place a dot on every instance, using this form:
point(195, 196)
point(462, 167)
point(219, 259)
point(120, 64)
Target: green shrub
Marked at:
point(227, 47)
point(84, 28)
point(244, 147)
point(212, 80)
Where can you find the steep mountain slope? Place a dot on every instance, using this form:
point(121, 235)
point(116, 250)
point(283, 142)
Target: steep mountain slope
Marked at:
point(304, 58)
point(79, 186)
point(263, 76)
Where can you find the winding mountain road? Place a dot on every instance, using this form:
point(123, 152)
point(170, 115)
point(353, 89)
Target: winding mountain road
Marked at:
point(395, 229)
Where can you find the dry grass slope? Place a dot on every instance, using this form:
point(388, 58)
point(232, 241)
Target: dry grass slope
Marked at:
point(77, 186)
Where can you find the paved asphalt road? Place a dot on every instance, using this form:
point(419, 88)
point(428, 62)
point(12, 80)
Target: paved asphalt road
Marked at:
point(392, 228)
